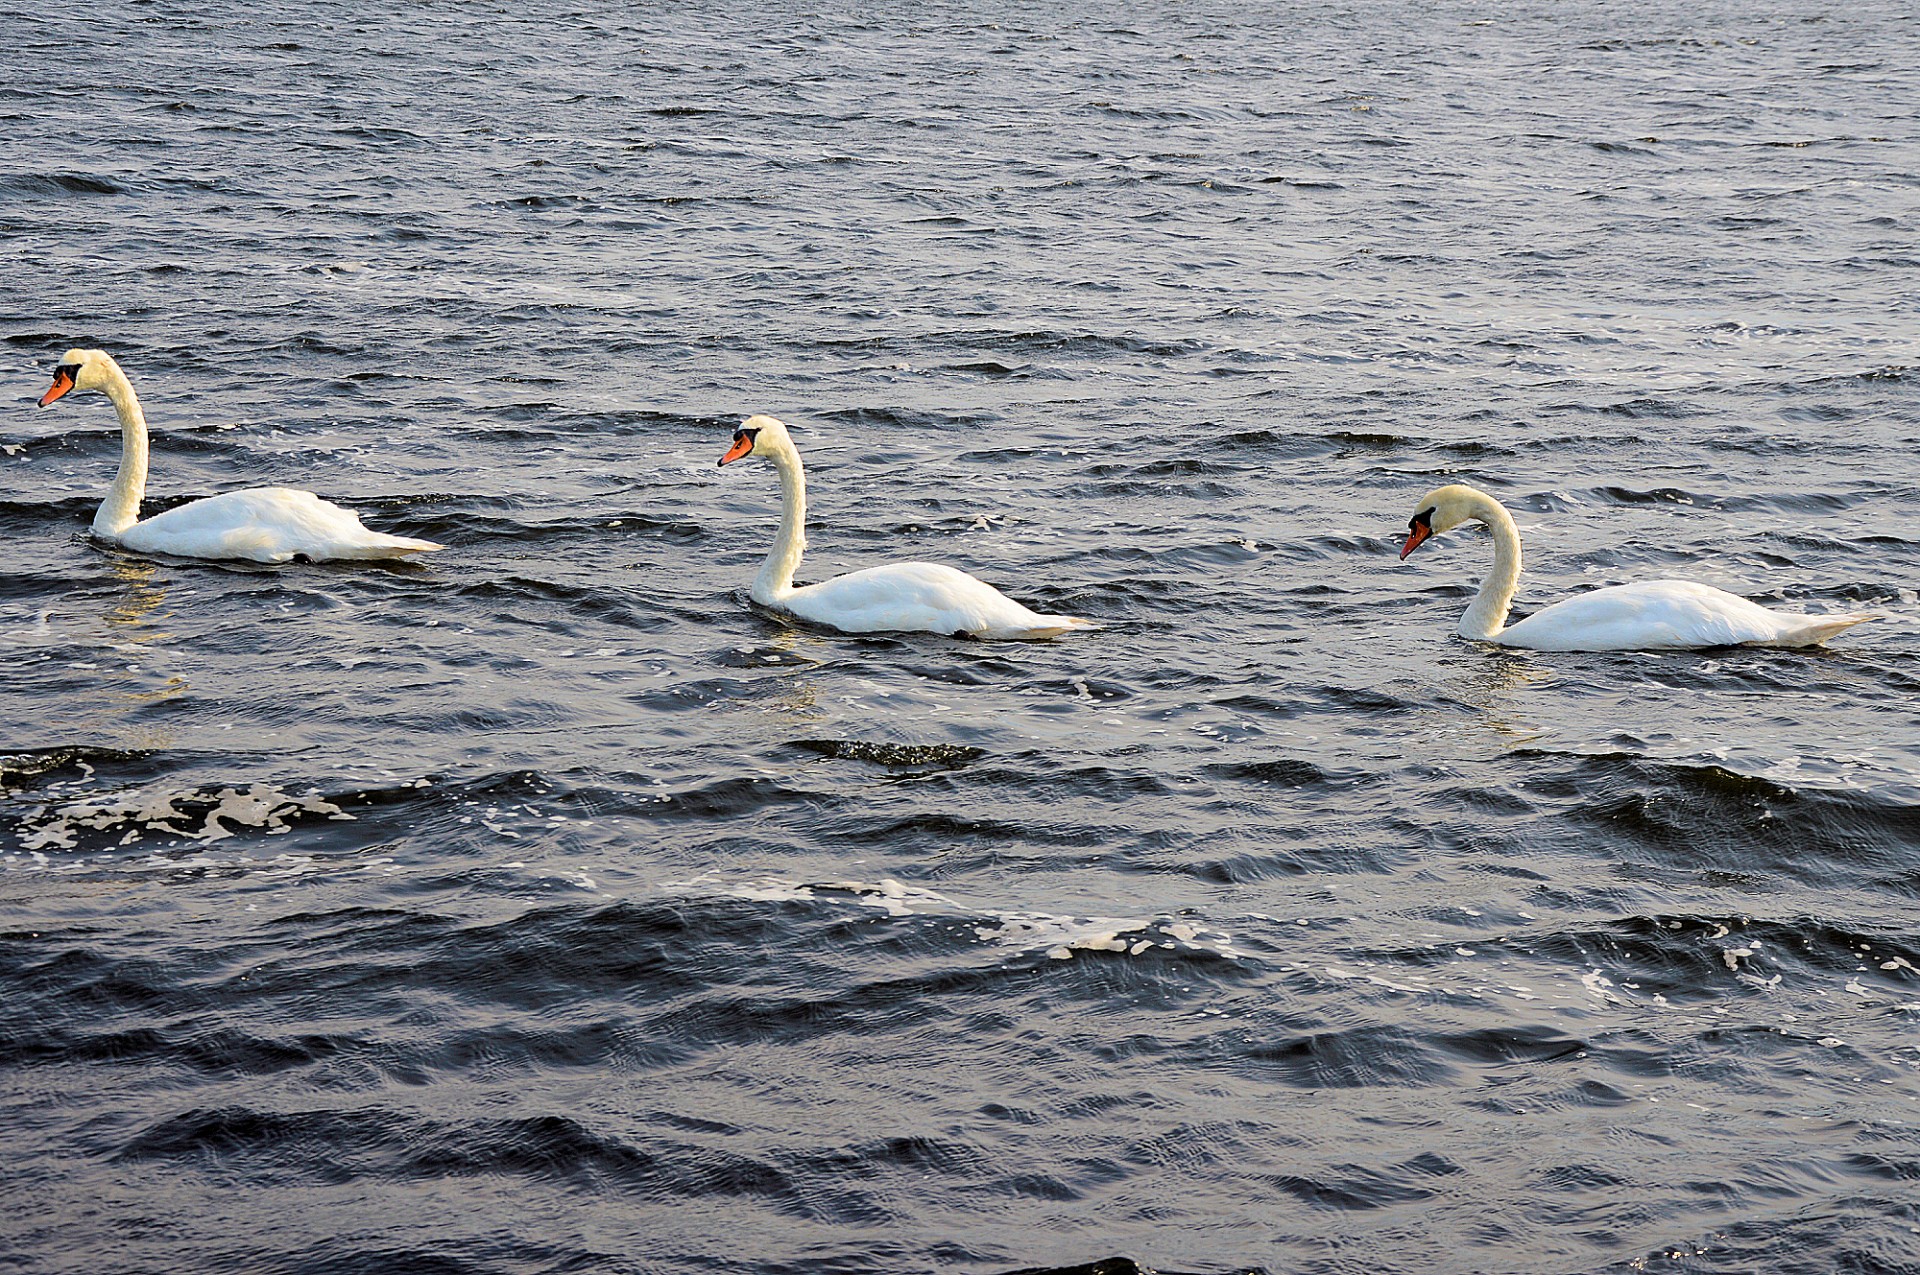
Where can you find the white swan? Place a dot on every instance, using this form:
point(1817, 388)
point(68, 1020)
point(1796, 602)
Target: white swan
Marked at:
point(262, 524)
point(1655, 615)
point(904, 596)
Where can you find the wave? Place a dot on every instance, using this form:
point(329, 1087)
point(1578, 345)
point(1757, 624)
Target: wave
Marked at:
point(29, 185)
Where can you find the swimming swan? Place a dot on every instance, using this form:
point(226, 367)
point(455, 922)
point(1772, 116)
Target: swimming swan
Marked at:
point(263, 524)
point(904, 596)
point(1655, 615)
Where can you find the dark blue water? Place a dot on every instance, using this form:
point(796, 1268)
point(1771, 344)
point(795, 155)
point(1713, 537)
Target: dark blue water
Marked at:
point(543, 907)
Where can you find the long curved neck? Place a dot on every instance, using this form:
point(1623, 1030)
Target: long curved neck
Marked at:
point(775, 580)
point(121, 508)
point(1488, 614)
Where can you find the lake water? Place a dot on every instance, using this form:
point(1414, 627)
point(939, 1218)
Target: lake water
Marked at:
point(544, 907)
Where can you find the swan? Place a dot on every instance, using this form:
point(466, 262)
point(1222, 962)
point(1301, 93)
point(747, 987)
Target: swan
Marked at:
point(262, 524)
point(901, 596)
point(1653, 615)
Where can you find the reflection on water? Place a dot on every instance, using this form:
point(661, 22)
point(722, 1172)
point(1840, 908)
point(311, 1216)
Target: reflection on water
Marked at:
point(143, 592)
point(1495, 685)
point(127, 685)
point(800, 696)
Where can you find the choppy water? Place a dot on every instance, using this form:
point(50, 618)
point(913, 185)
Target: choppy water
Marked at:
point(545, 908)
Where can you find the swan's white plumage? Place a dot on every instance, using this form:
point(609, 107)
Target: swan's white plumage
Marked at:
point(260, 524)
point(920, 597)
point(265, 524)
point(1666, 615)
point(1653, 615)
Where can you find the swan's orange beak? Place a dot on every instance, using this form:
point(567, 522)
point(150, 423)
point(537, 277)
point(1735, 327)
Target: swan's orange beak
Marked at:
point(1417, 533)
point(62, 382)
point(742, 444)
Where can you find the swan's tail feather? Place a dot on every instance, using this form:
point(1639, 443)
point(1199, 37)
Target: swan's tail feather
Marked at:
point(1818, 629)
point(1049, 626)
point(385, 546)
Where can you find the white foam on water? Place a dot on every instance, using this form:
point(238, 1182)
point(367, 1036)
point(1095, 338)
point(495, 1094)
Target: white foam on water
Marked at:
point(193, 815)
point(1059, 936)
point(887, 894)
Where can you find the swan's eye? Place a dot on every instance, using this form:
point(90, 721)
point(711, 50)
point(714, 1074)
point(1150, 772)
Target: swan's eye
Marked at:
point(1422, 519)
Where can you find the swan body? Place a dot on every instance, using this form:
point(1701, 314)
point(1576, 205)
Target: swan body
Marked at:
point(1652, 615)
point(919, 597)
point(260, 524)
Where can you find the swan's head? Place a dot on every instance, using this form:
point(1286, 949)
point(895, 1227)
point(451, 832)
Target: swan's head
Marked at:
point(78, 370)
point(757, 436)
point(1441, 510)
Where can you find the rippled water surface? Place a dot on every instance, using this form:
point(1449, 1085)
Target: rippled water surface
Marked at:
point(544, 907)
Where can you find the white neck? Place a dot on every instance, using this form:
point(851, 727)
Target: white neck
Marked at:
point(121, 508)
point(775, 580)
point(1488, 614)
